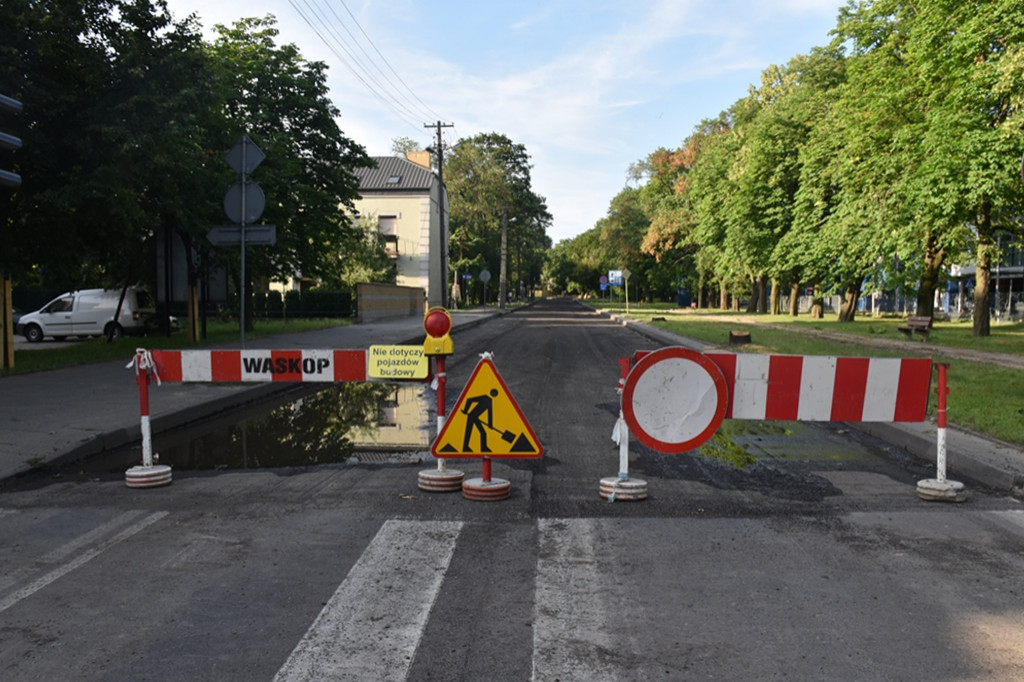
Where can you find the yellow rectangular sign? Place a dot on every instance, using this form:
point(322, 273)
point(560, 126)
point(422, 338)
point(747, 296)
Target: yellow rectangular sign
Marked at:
point(397, 362)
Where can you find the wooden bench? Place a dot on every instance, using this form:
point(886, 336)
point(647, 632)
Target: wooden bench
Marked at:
point(917, 325)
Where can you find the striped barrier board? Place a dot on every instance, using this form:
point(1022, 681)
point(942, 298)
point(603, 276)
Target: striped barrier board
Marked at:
point(820, 388)
point(260, 365)
point(674, 398)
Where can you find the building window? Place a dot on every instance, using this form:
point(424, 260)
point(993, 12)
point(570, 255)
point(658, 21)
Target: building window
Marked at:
point(388, 416)
point(394, 179)
point(387, 225)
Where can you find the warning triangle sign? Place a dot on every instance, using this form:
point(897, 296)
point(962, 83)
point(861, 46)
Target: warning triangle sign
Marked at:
point(486, 421)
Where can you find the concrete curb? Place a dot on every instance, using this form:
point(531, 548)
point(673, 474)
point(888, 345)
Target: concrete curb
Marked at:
point(969, 455)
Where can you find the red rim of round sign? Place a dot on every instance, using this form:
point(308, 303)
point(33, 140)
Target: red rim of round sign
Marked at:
point(646, 363)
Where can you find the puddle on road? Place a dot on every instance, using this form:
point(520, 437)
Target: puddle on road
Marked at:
point(350, 422)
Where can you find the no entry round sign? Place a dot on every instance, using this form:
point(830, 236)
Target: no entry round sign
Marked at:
point(674, 399)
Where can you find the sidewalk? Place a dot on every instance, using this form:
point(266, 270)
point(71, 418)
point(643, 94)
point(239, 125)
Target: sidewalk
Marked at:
point(68, 414)
point(990, 462)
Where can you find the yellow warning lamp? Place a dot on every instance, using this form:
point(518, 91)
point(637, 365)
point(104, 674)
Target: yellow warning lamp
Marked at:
point(438, 323)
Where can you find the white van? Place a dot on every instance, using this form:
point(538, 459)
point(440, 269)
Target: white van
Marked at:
point(88, 312)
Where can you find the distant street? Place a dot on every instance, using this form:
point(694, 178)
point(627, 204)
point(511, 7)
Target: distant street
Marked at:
point(816, 562)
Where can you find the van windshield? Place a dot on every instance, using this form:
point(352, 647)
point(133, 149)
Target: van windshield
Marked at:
point(59, 305)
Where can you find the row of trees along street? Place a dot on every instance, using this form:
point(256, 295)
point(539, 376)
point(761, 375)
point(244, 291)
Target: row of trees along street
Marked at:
point(872, 163)
point(127, 115)
point(126, 119)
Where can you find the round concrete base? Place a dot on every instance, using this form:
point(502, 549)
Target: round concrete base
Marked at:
point(616, 488)
point(434, 481)
point(148, 477)
point(486, 491)
point(934, 490)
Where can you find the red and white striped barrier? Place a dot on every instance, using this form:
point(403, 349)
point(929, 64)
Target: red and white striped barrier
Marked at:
point(674, 399)
point(260, 365)
point(818, 388)
point(230, 366)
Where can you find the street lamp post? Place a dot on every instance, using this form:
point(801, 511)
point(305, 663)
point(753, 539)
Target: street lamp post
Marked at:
point(503, 270)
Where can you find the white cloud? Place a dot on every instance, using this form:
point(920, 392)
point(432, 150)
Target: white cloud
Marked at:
point(588, 87)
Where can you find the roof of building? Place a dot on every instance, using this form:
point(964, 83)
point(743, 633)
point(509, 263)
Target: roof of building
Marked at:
point(394, 174)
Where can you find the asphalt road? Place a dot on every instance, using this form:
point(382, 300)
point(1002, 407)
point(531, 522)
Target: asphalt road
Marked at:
point(816, 562)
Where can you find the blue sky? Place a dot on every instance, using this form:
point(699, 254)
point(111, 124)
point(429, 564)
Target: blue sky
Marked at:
point(588, 86)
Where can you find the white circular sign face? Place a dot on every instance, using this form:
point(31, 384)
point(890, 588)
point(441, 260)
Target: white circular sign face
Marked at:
point(674, 399)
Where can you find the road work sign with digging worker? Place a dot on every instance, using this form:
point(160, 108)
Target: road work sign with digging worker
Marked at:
point(486, 421)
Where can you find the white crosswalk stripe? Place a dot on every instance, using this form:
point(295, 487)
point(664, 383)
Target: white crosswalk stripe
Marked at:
point(569, 622)
point(90, 549)
point(371, 626)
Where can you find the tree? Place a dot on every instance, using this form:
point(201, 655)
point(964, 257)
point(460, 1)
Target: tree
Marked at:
point(488, 178)
point(970, 56)
point(400, 146)
point(280, 100)
point(112, 93)
point(366, 260)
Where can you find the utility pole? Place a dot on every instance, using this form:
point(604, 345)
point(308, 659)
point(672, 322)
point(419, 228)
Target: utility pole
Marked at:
point(443, 237)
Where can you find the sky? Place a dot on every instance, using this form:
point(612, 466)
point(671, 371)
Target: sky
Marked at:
point(589, 87)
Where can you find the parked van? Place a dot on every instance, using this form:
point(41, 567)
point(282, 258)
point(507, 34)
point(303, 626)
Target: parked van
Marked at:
point(89, 312)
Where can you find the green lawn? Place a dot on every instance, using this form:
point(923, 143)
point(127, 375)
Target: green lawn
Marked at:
point(984, 398)
point(98, 350)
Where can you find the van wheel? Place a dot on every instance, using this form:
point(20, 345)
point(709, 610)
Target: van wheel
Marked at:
point(33, 333)
point(113, 331)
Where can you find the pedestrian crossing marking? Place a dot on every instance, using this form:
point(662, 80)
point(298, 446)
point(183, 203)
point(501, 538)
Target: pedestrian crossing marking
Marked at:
point(486, 421)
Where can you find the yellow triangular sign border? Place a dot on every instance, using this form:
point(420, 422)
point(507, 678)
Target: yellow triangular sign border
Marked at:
point(443, 447)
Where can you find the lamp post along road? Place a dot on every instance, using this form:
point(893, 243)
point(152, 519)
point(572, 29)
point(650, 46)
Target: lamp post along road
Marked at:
point(503, 273)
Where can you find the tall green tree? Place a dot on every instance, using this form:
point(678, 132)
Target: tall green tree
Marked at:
point(969, 54)
point(489, 183)
point(112, 91)
point(281, 101)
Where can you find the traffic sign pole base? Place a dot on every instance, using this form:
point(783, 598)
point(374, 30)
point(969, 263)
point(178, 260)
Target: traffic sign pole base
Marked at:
point(148, 477)
point(486, 491)
point(616, 488)
point(934, 490)
point(447, 481)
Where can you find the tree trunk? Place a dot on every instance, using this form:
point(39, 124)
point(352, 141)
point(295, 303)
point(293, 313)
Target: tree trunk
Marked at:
point(776, 307)
point(723, 296)
point(755, 295)
point(794, 298)
point(932, 269)
point(762, 294)
point(848, 309)
point(983, 274)
point(817, 304)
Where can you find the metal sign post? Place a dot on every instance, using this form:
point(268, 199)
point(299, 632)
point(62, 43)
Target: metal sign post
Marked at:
point(244, 204)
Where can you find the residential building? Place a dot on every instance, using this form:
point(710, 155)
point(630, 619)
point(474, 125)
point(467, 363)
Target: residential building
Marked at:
point(409, 206)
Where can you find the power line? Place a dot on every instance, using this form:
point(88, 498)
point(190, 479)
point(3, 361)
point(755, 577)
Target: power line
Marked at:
point(376, 92)
point(384, 59)
point(384, 90)
point(354, 58)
